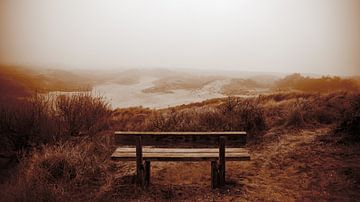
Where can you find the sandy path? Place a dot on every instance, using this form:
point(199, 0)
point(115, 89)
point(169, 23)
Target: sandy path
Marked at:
point(286, 166)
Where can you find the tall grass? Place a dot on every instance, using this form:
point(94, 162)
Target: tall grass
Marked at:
point(43, 119)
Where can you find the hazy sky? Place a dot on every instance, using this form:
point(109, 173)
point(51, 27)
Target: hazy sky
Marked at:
point(319, 36)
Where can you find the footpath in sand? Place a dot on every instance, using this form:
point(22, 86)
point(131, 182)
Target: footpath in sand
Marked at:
point(286, 165)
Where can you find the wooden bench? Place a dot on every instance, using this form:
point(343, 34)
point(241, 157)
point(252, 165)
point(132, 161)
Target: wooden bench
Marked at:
point(217, 147)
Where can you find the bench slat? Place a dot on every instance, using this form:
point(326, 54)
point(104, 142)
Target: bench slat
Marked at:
point(181, 139)
point(234, 154)
point(180, 133)
point(179, 150)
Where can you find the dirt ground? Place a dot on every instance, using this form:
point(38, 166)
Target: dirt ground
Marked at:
point(291, 165)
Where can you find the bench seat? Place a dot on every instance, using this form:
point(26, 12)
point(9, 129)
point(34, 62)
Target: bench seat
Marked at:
point(180, 154)
point(216, 147)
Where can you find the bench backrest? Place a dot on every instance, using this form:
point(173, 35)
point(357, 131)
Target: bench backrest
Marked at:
point(181, 139)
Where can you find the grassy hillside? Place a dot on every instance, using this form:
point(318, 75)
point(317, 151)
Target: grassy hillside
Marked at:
point(65, 156)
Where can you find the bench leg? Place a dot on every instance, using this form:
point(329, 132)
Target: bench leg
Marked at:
point(147, 173)
point(140, 174)
point(221, 173)
point(214, 175)
point(222, 161)
point(140, 170)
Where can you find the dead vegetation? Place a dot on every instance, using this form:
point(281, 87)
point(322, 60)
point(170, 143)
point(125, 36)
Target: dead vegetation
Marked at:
point(68, 143)
point(38, 120)
point(61, 171)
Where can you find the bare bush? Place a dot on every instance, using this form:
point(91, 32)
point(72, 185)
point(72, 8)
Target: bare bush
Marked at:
point(40, 119)
point(29, 122)
point(82, 112)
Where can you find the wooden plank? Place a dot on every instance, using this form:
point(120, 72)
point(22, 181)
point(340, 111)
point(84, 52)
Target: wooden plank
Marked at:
point(180, 133)
point(181, 156)
point(184, 139)
point(179, 150)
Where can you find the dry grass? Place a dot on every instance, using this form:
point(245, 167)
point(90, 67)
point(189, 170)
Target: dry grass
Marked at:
point(65, 166)
point(233, 114)
point(61, 172)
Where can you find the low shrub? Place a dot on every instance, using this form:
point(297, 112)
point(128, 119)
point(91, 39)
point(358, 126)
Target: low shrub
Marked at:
point(349, 126)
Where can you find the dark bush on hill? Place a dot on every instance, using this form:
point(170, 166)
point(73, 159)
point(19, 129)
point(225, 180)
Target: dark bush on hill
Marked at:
point(40, 119)
point(30, 122)
point(349, 126)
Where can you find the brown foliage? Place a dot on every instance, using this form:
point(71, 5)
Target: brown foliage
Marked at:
point(323, 84)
